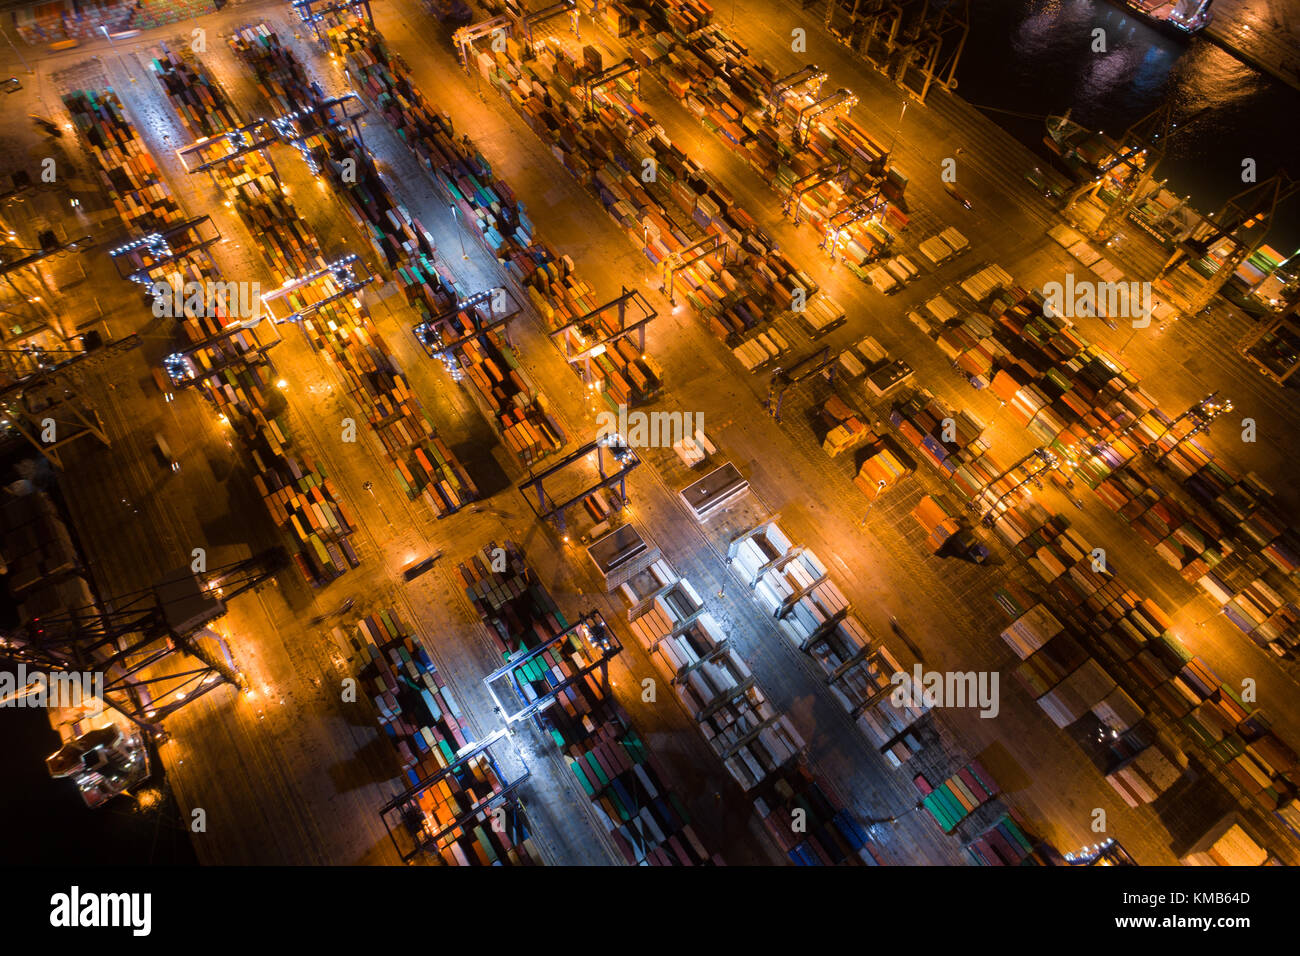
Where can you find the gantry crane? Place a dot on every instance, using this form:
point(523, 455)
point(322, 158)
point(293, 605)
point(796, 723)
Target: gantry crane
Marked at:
point(902, 38)
point(610, 75)
point(559, 9)
point(14, 258)
point(1244, 223)
point(147, 643)
point(47, 412)
point(783, 378)
point(1143, 146)
point(510, 24)
point(440, 337)
point(312, 12)
point(140, 260)
point(693, 253)
point(587, 337)
point(1035, 464)
point(846, 217)
point(51, 245)
point(547, 509)
point(1282, 331)
point(841, 99)
point(932, 45)
point(809, 76)
point(343, 277)
point(465, 37)
point(883, 22)
point(830, 172)
point(1201, 415)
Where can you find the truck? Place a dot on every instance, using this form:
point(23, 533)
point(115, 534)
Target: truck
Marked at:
point(952, 190)
point(945, 532)
point(1048, 182)
point(164, 383)
point(165, 452)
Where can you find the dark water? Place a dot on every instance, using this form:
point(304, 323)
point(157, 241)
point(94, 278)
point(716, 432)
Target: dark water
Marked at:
point(47, 823)
point(1034, 58)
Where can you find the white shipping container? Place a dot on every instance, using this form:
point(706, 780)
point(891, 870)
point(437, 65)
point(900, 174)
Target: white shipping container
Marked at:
point(935, 249)
point(1089, 684)
point(871, 351)
point(955, 240)
point(882, 280)
point(851, 366)
point(1059, 710)
point(941, 309)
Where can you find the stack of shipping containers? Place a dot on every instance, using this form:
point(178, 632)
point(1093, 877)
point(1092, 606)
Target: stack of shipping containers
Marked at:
point(727, 89)
point(57, 21)
point(499, 221)
point(948, 439)
point(711, 680)
point(504, 390)
point(1094, 613)
point(1006, 843)
point(340, 327)
point(445, 798)
point(845, 428)
point(281, 79)
point(950, 442)
point(723, 86)
point(623, 375)
point(624, 781)
point(203, 107)
point(462, 177)
point(830, 835)
point(422, 464)
point(1219, 530)
point(517, 407)
point(254, 192)
point(125, 169)
point(664, 201)
point(715, 686)
point(298, 494)
point(1077, 401)
point(957, 797)
point(791, 584)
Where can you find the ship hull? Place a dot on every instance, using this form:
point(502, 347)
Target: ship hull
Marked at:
point(1168, 27)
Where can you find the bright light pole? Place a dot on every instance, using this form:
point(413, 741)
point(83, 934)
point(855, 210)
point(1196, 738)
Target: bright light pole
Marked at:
point(22, 59)
point(455, 214)
point(120, 62)
point(894, 136)
point(1129, 341)
point(1201, 624)
point(368, 486)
